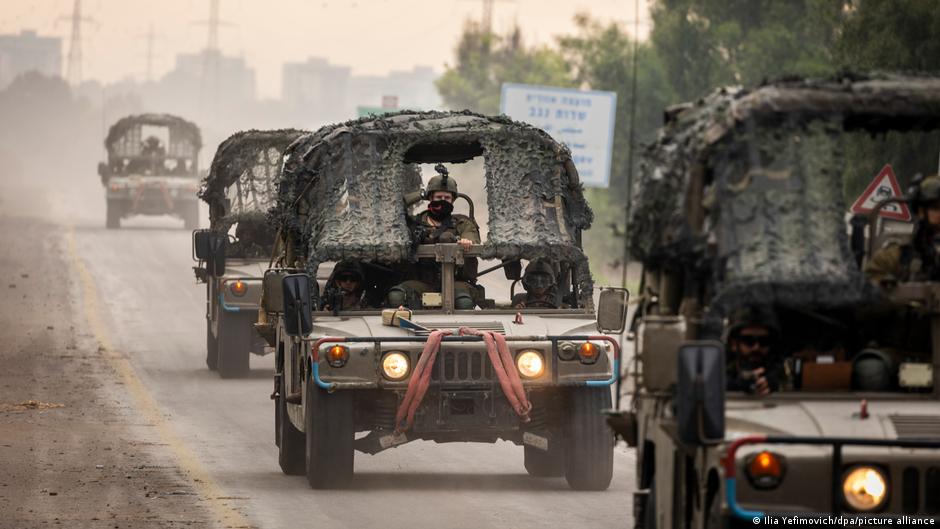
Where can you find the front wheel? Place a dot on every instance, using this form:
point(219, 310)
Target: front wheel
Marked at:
point(290, 440)
point(234, 342)
point(113, 215)
point(328, 421)
point(589, 460)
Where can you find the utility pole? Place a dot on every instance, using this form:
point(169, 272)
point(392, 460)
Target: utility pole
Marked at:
point(73, 72)
point(211, 58)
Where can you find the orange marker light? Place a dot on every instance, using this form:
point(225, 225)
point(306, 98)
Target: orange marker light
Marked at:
point(337, 355)
point(589, 353)
point(765, 469)
point(239, 288)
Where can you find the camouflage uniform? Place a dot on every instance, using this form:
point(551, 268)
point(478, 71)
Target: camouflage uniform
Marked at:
point(428, 230)
point(334, 298)
point(539, 275)
point(738, 373)
point(916, 261)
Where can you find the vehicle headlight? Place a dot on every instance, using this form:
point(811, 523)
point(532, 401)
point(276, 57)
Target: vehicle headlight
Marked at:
point(395, 365)
point(238, 288)
point(865, 488)
point(530, 364)
point(765, 469)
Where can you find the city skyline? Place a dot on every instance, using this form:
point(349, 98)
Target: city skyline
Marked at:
point(115, 42)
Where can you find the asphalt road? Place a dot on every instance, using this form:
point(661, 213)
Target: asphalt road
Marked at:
point(145, 304)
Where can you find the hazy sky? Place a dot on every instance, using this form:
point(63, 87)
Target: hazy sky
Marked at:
point(372, 36)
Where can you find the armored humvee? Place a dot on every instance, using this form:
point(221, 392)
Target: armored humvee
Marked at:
point(152, 168)
point(537, 377)
point(742, 203)
point(235, 251)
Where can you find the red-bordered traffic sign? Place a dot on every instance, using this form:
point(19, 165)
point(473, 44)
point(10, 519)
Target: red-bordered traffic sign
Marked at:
point(885, 185)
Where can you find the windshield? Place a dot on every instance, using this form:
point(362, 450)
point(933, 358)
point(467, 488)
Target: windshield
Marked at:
point(806, 308)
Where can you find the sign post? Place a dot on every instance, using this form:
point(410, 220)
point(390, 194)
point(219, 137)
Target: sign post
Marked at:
point(581, 119)
point(885, 185)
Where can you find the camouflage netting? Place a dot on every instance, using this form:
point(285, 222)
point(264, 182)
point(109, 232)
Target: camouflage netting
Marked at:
point(342, 188)
point(242, 178)
point(181, 131)
point(773, 199)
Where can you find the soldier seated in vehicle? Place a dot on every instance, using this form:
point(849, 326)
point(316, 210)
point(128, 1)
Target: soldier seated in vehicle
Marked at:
point(438, 224)
point(753, 365)
point(918, 260)
point(345, 288)
point(540, 287)
point(252, 238)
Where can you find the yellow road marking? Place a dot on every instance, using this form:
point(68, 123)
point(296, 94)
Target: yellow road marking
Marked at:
point(205, 486)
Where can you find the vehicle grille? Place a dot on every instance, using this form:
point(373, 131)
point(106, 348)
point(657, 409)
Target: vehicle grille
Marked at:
point(463, 366)
point(916, 426)
point(494, 326)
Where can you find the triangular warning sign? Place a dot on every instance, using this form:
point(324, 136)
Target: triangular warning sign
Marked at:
point(885, 185)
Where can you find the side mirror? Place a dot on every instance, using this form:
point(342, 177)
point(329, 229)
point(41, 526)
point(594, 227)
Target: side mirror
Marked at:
point(104, 170)
point(201, 245)
point(216, 258)
point(298, 320)
point(700, 393)
point(513, 270)
point(612, 310)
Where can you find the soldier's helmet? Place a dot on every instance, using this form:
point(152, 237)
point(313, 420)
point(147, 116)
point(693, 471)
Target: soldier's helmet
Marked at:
point(538, 274)
point(925, 191)
point(441, 182)
point(348, 268)
point(752, 316)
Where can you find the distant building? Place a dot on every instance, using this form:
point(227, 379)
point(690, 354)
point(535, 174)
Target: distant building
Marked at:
point(317, 90)
point(413, 89)
point(29, 52)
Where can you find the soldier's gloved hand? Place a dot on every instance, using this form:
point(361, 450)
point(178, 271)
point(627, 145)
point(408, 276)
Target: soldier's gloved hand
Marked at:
point(466, 243)
point(760, 386)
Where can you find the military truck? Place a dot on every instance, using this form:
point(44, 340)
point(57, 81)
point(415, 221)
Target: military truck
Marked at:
point(742, 203)
point(235, 251)
point(152, 169)
point(537, 377)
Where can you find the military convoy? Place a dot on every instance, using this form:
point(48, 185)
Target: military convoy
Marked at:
point(431, 370)
point(742, 203)
point(152, 169)
point(235, 250)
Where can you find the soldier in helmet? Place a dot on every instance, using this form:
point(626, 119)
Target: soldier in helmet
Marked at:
point(345, 289)
point(438, 224)
point(918, 260)
point(539, 284)
point(753, 365)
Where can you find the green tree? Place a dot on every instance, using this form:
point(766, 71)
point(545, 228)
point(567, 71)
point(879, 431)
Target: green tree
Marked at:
point(484, 61)
point(709, 43)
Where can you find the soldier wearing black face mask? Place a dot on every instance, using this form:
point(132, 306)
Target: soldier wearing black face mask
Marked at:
point(438, 224)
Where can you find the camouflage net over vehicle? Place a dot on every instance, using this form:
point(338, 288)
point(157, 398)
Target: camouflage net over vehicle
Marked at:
point(341, 194)
point(241, 184)
point(774, 228)
point(185, 139)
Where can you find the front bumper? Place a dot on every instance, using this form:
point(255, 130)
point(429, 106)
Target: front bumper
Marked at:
point(901, 491)
point(470, 359)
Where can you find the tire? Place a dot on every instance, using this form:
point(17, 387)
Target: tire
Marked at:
point(290, 441)
point(212, 348)
point(234, 342)
point(191, 216)
point(328, 421)
point(589, 465)
point(113, 215)
point(542, 464)
point(212, 344)
point(649, 515)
